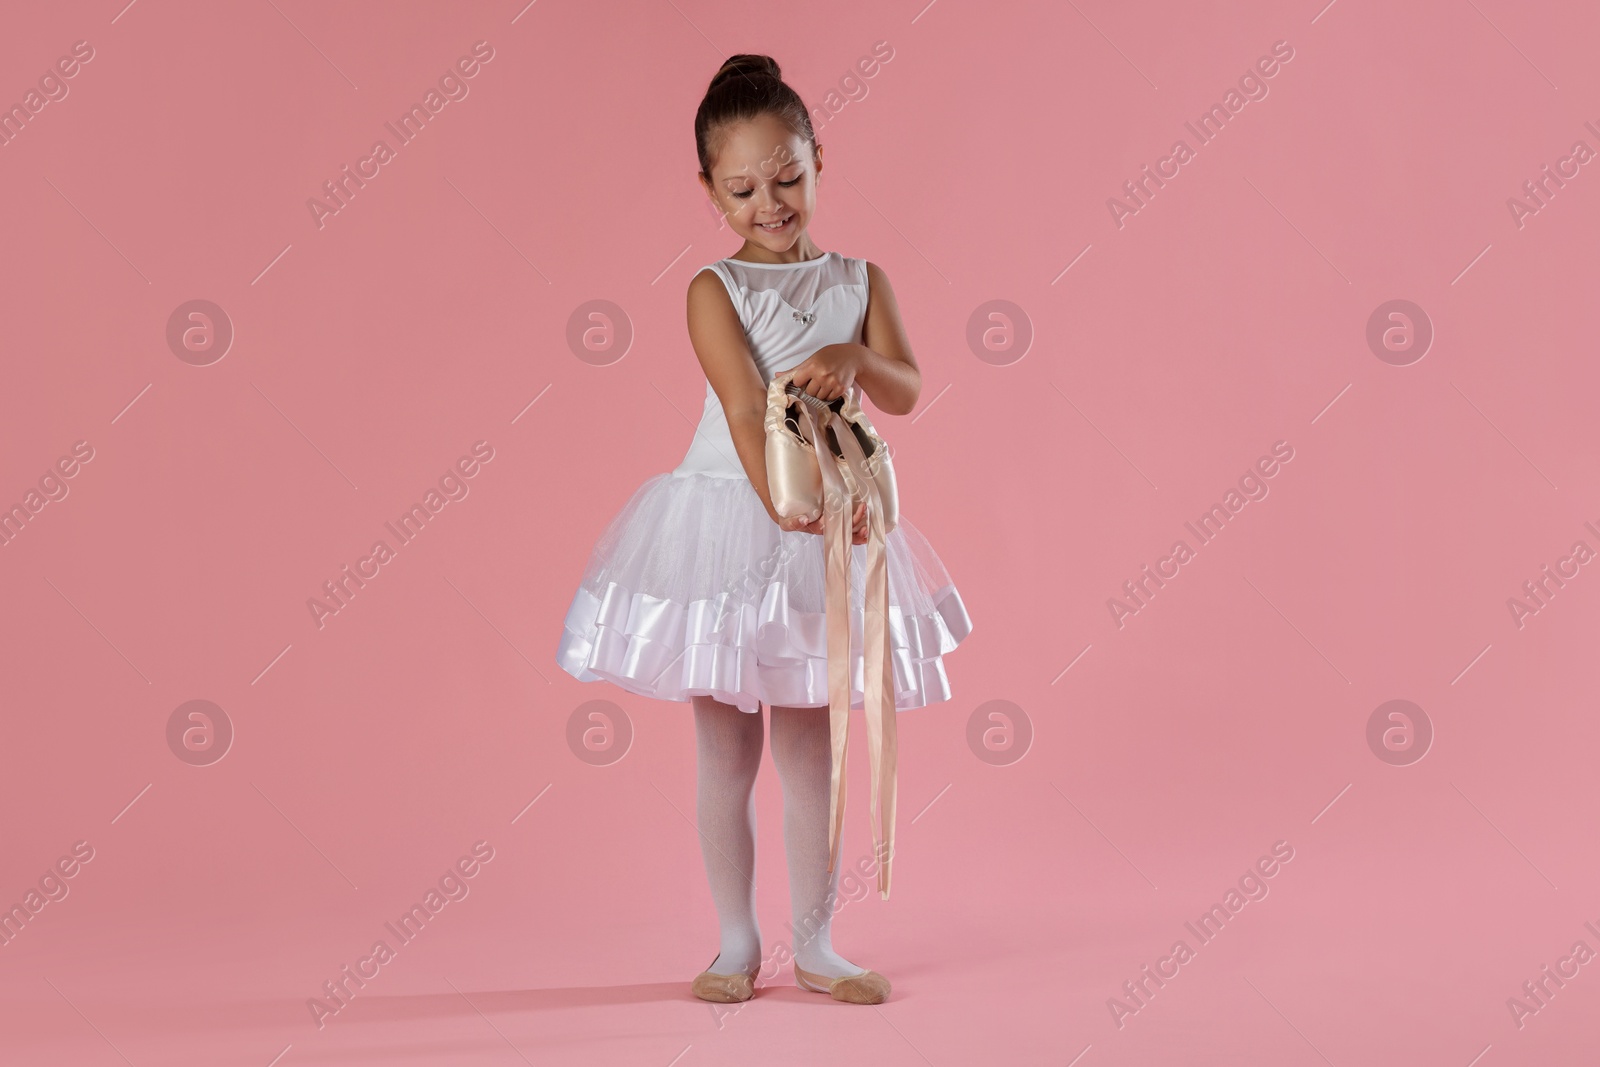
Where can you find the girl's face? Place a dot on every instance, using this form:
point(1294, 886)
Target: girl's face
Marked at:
point(764, 173)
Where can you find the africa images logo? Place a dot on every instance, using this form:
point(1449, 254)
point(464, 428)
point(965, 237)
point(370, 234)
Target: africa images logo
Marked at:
point(452, 87)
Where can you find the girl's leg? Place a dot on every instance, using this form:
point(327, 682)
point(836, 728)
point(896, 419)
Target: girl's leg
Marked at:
point(728, 754)
point(802, 753)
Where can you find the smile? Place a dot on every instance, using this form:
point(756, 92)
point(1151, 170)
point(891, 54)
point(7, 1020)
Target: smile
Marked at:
point(775, 227)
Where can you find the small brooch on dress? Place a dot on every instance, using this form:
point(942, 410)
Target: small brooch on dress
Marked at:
point(805, 318)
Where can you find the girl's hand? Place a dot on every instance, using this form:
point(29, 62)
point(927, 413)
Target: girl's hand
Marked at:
point(858, 531)
point(830, 372)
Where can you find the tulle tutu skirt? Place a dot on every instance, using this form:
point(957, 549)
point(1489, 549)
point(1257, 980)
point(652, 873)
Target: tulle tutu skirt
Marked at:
point(693, 589)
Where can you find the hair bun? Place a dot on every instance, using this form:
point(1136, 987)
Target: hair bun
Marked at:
point(746, 66)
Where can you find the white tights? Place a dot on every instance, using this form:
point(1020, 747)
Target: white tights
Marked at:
point(728, 753)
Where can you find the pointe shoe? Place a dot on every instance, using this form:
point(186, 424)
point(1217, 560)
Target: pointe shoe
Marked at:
point(868, 987)
point(794, 477)
point(880, 468)
point(723, 988)
point(794, 480)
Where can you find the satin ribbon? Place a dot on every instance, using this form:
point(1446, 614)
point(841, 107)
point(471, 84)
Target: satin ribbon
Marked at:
point(878, 678)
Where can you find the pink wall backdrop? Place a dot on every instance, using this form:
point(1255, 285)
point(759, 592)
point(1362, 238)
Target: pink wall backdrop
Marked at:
point(1352, 318)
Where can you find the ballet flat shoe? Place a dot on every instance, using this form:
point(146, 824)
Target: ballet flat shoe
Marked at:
point(723, 988)
point(868, 987)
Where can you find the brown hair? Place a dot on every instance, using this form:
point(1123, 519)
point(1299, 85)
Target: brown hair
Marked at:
point(745, 87)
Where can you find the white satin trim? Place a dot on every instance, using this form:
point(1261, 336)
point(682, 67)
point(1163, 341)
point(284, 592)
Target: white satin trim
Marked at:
point(768, 653)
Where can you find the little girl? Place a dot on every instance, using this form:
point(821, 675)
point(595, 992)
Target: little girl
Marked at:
point(697, 591)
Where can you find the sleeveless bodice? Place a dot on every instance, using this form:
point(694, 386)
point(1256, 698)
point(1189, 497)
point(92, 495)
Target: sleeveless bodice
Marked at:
point(788, 311)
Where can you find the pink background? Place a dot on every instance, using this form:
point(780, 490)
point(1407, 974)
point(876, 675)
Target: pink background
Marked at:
point(1167, 755)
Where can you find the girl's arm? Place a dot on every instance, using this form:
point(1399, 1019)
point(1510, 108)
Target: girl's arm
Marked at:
point(882, 363)
point(719, 342)
point(888, 372)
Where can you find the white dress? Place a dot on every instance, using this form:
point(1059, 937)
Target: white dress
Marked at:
point(693, 589)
